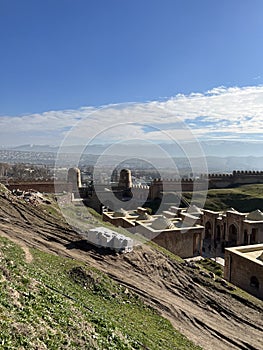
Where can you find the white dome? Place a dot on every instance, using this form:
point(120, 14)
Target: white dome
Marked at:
point(162, 223)
point(144, 216)
point(120, 213)
point(194, 209)
point(255, 215)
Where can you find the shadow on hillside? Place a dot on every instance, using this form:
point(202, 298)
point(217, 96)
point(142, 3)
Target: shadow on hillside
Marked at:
point(87, 247)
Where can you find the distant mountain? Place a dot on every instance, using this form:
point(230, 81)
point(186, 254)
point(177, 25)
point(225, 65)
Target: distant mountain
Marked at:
point(221, 156)
point(35, 148)
point(228, 164)
point(233, 148)
point(220, 148)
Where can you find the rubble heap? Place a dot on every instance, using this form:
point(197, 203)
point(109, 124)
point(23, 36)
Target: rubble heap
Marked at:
point(33, 197)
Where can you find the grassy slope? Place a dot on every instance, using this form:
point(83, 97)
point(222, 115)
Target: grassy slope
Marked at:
point(245, 198)
point(59, 303)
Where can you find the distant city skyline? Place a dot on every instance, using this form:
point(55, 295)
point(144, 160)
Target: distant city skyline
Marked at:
point(197, 64)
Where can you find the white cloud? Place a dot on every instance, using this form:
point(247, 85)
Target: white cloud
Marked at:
point(224, 111)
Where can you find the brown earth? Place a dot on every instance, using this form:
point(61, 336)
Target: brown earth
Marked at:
point(204, 311)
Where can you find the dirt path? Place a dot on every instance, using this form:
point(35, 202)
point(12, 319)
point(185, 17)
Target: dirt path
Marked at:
point(209, 316)
point(28, 255)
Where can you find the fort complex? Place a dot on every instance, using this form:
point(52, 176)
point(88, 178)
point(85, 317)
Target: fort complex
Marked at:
point(184, 229)
point(236, 178)
point(156, 190)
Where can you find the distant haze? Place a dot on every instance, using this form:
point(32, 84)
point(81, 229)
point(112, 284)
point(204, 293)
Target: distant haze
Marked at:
point(224, 156)
point(210, 148)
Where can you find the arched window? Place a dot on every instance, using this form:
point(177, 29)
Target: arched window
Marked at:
point(232, 235)
point(254, 282)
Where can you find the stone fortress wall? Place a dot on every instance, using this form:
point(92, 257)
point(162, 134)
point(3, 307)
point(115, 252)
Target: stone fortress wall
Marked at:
point(210, 181)
point(236, 178)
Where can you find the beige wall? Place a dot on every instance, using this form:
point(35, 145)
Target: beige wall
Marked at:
point(179, 243)
point(239, 270)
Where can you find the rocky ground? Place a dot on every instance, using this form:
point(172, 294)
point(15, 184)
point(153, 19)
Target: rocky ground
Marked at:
point(204, 310)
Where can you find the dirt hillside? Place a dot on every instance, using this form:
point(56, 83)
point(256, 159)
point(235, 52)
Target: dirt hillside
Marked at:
point(204, 311)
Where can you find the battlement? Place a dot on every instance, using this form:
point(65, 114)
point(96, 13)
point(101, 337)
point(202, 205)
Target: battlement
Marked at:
point(237, 173)
point(247, 172)
point(238, 177)
point(220, 175)
point(140, 187)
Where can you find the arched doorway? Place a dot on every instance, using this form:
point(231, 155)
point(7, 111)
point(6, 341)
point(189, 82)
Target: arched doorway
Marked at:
point(207, 243)
point(253, 239)
point(197, 244)
point(232, 237)
point(245, 237)
point(208, 230)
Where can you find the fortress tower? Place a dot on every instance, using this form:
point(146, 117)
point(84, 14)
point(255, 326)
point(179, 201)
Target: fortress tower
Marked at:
point(125, 183)
point(74, 179)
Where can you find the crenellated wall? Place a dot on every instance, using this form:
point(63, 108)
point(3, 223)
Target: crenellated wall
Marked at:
point(158, 186)
point(235, 179)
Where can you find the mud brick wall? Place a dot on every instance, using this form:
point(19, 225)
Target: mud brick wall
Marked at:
point(239, 270)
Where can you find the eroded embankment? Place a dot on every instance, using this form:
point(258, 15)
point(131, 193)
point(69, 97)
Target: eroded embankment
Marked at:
point(204, 311)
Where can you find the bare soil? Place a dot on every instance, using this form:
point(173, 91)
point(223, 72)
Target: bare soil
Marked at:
point(204, 311)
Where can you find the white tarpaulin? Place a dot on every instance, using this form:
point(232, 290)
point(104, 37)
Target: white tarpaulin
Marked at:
point(104, 237)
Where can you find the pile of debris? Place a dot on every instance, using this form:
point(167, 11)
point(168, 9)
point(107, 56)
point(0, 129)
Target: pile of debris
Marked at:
point(32, 197)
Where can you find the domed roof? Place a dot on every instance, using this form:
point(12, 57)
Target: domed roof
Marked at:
point(120, 213)
point(255, 215)
point(162, 223)
point(144, 216)
point(194, 209)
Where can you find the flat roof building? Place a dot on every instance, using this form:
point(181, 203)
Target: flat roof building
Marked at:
point(244, 268)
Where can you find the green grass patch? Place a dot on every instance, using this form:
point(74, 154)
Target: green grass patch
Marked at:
point(60, 303)
point(212, 266)
point(244, 198)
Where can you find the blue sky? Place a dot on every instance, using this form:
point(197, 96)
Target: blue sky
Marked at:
point(62, 59)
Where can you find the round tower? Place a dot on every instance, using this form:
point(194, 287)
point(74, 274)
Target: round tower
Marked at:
point(74, 179)
point(125, 180)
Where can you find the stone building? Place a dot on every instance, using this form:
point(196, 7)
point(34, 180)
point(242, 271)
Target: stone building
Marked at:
point(244, 268)
point(181, 236)
point(175, 235)
point(232, 228)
